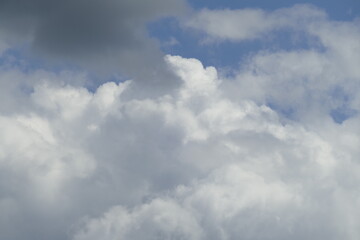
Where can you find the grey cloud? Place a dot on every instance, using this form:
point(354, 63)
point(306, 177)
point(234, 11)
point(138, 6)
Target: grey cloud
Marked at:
point(105, 35)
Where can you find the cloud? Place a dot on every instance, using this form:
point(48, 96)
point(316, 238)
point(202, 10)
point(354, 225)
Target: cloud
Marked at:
point(161, 219)
point(215, 158)
point(100, 35)
point(256, 178)
point(193, 164)
point(320, 77)
point(249, 24)
point(304, 82)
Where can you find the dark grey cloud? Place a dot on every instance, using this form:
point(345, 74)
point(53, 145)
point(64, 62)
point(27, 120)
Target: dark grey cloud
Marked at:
point(105, 35)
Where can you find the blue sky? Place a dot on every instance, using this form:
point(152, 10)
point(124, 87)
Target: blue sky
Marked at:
point(226, 54)
point(175, 119)
point(343, 10)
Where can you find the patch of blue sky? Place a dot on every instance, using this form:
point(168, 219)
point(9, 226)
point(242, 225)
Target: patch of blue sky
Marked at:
point(20, 58)
point(188, 43)
point(340, 114)
point(342, 111)
point(286, 112)
point(343, 10)
point(229, 54)
point(176, 40)
point(94, 80)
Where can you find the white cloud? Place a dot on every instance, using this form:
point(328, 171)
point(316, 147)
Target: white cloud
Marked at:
point(303, 82)
point(161, 219)
point(248, 24)
point(223, 163)
point(247, 170)
point(214, 159)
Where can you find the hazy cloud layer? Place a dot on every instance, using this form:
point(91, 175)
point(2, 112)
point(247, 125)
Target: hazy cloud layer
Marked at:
point(258, 156)
point(249, 24)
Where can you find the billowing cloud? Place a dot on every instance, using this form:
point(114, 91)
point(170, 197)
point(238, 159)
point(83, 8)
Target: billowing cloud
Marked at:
point(193, 164)
point(257, 156)
point(255, 177)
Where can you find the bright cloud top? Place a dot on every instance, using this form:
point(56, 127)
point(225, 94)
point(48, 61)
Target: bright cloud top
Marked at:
point(260, 155)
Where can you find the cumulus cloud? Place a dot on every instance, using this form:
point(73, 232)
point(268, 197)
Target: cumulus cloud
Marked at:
point(215, 158)
point(193, 165)
point(255, 177)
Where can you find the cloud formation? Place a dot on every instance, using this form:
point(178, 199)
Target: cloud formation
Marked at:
point(319, 78)
point(249, 24)
point(216, 158)
point(255, 178)
point(100, 35)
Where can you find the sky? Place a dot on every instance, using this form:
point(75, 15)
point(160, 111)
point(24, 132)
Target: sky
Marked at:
point(179, 119)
